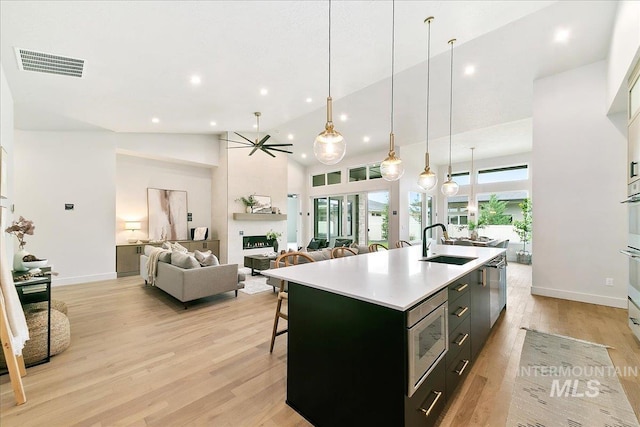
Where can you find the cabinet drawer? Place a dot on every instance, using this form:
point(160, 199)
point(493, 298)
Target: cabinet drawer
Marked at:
point(457, 289)
point(458, 338)
point(431, 397)
point(459, 310)
point(457, 367)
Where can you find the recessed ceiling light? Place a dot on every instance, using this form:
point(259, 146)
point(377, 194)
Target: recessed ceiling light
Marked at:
point(155, 120)
point(304, 156)
point(343, 117)
point(290, 136)
point(366, 139)
point(469, 70)
point(255, 126)
point(212, 123)
point(195, 80)
point(562, 35)
point(309, 100)
point(264, 91)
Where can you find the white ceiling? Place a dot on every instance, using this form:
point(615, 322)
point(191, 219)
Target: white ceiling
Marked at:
point(140, 56)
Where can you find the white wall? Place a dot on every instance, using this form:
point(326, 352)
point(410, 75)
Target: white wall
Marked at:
point(54, 168)
point(578, 222)
point(6, 141)
point(258, 174)
point(199, 150)
point(623, 52)
point(134, 175)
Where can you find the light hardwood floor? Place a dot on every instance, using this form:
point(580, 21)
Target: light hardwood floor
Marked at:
point(138, 358)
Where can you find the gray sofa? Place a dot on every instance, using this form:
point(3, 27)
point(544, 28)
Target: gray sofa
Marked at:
point(190, 284)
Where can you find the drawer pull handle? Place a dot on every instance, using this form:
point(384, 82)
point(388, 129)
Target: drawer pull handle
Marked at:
point(634, 321)
point(459, 341)
point(465, 363)
point(462, 287)
point(461, 311)
point(426, 412)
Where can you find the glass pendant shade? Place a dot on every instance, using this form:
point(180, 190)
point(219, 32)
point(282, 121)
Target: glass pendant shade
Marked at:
point(449, 188)
point(392, 168)
point(427, 179)
point(329, 146)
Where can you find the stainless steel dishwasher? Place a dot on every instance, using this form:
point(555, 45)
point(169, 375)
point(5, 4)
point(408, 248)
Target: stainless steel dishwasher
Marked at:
point(497, 278)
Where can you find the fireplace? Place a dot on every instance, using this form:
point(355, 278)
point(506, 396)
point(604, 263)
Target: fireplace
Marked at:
point(253, 242)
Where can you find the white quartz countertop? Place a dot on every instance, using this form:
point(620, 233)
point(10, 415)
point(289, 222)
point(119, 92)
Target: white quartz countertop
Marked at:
point(396, 278)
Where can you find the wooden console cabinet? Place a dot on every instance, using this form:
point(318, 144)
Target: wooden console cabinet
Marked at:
point(128, 255)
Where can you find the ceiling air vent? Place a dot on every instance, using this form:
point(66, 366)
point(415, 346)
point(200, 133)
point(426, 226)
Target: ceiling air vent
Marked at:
point(29, 60)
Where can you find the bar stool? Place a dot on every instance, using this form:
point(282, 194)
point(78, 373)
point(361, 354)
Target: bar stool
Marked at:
point(287, 259)
point(402, 244)
point(375, 246)
point(342, 251)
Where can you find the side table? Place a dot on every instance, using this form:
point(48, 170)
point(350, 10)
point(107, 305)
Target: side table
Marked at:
point(37, 289)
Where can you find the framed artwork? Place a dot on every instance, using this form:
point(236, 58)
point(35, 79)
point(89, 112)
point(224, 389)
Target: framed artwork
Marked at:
point(167, 214)
point(263, 204)
point(3, 174)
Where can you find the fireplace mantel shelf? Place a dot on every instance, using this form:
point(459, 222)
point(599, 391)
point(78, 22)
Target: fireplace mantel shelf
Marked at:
point(259, 217)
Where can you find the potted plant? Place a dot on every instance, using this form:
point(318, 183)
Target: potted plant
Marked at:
point(273, 236)
point(523, 229)
point(249, 202)
point(473, 227)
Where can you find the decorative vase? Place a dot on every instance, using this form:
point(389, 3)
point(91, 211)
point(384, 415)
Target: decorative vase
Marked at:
point(17, 260)
point(248, 209)
point(275, 246)
point(473, 235)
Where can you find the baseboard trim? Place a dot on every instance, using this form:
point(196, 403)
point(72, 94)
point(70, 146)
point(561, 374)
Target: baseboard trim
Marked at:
point(580, 297)
point(76, 280)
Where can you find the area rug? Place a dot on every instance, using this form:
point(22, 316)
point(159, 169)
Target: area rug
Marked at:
point(563, 381)
point(255, 284)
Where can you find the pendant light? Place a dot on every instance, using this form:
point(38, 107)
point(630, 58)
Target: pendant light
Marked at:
point(392, 168)
point(450, 187)
point(471, 207)
point(329, 146)
point(427, 179)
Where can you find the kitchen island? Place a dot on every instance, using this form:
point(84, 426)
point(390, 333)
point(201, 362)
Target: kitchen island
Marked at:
point(348, 360)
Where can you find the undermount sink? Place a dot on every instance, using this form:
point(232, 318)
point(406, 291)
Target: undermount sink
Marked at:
point(449, 259)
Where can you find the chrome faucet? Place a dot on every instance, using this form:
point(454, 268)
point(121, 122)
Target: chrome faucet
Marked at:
point(425, 246)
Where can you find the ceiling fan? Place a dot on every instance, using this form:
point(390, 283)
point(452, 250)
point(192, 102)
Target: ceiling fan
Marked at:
point(259, 144)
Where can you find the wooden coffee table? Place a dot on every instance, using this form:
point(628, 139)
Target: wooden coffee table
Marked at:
point(258, 262)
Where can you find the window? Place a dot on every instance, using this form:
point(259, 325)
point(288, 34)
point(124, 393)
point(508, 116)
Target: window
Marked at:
point(362, 173)
point(326, 179)
point(334, 177)
point(500, 208)
point(358, 174)
point(462, 178)
point(374, 171)
point(457, 212)
point(415, 216)
point(511, 173)
point(318, 180)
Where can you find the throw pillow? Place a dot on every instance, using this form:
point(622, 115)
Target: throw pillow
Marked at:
point(166, 245)
point(178, 247)
point(183, 260)
point(206, 258)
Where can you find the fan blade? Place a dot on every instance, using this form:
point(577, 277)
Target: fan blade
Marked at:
point(238, 142)
point(267, 147)
point(262, 149)
point(244, 137)
point(279, 145)
point(235, 148)
point(262, 141)
point(254, 149)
